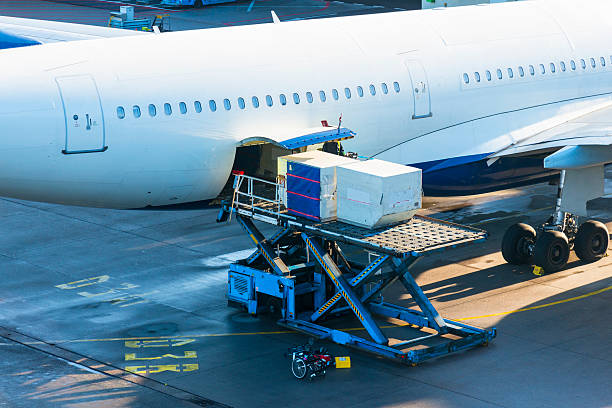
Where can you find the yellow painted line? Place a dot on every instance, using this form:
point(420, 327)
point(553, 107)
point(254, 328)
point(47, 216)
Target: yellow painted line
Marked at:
point(165, 337)
point(572, 299)
point(525, 309)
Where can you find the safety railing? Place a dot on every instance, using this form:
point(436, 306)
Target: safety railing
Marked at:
point(256, 196)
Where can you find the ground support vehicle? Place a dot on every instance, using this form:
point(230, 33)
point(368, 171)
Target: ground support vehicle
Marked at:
point(310, 272)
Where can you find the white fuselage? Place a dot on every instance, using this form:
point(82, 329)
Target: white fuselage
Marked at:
point(68, 96)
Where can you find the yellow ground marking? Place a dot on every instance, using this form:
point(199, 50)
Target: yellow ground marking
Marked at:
point(525, 309)
point(188, 354)
point(83, 282)
point(169, 342)
point(124, 286)
point(153, 369)
point(135, 341)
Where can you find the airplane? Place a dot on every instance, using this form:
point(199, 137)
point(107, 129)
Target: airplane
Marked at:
point(480, 98)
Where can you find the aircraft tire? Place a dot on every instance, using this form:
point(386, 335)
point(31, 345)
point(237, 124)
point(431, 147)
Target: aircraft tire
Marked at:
point(515, 244)
point(592, 240)
point(199, 4)
point(551, 251)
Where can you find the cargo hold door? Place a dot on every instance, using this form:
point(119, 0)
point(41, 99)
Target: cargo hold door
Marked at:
point(83, 115)
point(420, 90)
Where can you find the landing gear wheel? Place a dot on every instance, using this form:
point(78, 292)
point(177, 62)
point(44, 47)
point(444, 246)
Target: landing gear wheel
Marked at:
point(516, 242)
point(199, 4)
point(551, 251)
point(591, 241)
point(299, 368)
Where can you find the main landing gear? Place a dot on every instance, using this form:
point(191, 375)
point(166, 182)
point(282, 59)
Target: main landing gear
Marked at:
point(550, 247)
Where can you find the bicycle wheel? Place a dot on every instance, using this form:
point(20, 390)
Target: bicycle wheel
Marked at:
point(299, 368)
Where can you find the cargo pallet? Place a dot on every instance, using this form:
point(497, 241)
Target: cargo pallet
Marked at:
point(302, 272)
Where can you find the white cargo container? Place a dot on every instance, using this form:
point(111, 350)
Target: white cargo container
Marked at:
point(310, 183)
point(376, 193)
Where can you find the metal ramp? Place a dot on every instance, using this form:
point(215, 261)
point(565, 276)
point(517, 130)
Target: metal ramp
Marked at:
point(305, 272)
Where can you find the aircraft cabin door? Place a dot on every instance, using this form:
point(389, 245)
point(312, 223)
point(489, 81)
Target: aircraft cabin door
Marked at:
point(83, 114)
point(420, 90)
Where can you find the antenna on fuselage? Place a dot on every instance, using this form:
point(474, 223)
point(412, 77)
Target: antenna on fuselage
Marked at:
point(275, 18)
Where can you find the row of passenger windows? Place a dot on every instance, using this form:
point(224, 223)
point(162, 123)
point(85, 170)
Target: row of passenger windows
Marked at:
point(269, 101)
point(541, 69)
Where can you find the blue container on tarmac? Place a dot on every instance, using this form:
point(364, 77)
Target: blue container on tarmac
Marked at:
point(311, 183)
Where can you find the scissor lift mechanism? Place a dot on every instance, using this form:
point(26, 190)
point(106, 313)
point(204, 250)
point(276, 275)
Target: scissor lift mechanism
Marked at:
point(303, 272)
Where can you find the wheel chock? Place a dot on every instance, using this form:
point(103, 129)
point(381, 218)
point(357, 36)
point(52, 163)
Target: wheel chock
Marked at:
point(343, 362)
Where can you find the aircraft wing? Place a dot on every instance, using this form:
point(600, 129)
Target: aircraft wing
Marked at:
point(18, 32)
point(579, 139)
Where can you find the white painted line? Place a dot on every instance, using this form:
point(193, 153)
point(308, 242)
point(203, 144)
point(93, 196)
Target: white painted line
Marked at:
point(226, 259)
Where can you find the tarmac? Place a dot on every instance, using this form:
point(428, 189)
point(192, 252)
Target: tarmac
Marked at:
point(109, 308)
point(97, 12)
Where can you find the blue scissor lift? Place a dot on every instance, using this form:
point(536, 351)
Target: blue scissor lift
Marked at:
point(303, 272)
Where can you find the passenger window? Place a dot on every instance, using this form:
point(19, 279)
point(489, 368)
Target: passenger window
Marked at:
point(499, 74)
point(335, 93)
point(152, 110)
point(283, 99)
point(212, 105)
point(241, 103)
point(521, 71)
point(477, 76)
point(322, 96)
point(255, 102)
point(573, 65)
point(593, 63)
point(542, 69)
point(268, 100)
point(360, 91)
point(510, 73)
point(347, 93)
point(227, 104)
point(488, 74)
point(183, 107)
point(372, 90)
point(384, 87)
point(553, 69)
point(309, 97)
point(167, 109)
point(563, 67)
point(136, 111)
point(120, 112)
point(198, 106)
point(583, 63)
point(296, 98)
point(397, 87)
point(603, 61)
point(531, 70)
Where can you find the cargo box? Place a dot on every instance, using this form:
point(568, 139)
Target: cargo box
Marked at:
point(375, 193)
point(310, 180)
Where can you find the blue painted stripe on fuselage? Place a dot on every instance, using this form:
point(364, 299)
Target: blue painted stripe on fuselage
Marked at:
point(471, 175)
point(456, 161)
point(13, 41)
